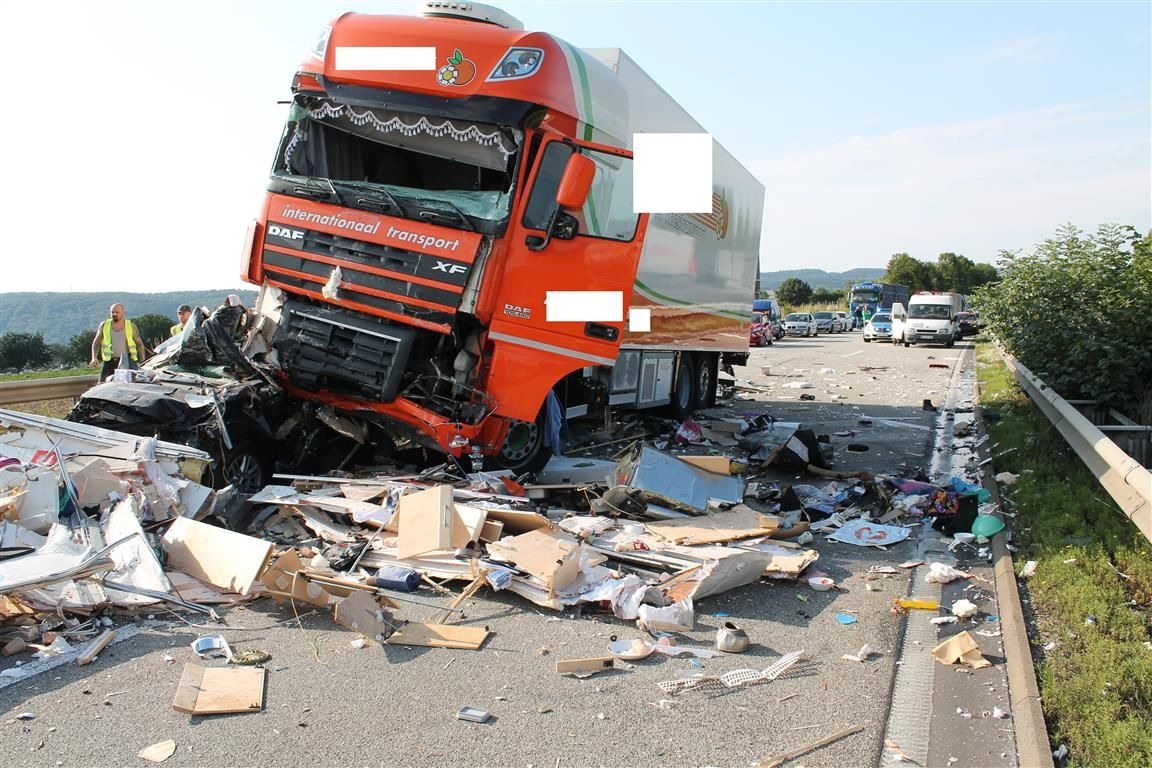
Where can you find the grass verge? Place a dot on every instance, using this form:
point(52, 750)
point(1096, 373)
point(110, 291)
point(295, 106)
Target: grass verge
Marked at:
point(1089, 602)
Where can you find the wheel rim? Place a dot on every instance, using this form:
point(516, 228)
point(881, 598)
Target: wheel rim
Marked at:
point(704, 383)
point(522, 440)
point(244, 473)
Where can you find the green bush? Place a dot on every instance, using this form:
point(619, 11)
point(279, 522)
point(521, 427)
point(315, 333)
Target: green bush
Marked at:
point(1077, 312)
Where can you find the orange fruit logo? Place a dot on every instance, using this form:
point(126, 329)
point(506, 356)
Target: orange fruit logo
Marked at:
point(458, 70)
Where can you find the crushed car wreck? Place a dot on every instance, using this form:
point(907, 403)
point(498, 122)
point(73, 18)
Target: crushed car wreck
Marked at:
point(202, 390)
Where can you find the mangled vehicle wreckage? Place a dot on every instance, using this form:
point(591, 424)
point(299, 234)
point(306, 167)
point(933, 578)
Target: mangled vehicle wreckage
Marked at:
point(211, 387)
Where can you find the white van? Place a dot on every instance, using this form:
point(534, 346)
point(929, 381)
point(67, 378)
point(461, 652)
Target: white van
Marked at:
point(931, 318)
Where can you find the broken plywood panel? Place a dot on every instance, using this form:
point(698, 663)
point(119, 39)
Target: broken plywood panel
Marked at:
point(282, 581)
point(224, 559)
point(740, 522)
point(361, 612)
point(719, 464)
point(440, 636)
point(219, 690)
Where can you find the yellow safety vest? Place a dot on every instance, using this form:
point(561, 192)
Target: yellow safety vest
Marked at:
point(175, 329)
point(129, 333)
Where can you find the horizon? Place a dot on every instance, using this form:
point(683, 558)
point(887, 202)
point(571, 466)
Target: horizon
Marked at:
point(876, 128)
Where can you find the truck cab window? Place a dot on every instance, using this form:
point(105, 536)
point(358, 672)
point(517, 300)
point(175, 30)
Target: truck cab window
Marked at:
point(607, 212)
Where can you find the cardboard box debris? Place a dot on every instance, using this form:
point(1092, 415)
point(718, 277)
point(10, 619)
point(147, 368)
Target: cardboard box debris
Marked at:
point(224, 559)
point(740, 522)
point(360, 611)
point(961, 648)
point(551, 557)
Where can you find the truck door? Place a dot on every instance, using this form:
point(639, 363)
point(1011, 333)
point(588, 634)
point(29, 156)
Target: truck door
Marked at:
point(562, 302)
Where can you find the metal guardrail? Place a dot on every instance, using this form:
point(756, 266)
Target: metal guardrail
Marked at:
point(31, 390)
point(1128, 483)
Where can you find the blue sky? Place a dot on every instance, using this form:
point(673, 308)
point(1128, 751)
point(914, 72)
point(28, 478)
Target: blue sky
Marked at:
point(140, 135)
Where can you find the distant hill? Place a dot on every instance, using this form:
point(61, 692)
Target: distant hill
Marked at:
point(818, 278)
point(60, 316)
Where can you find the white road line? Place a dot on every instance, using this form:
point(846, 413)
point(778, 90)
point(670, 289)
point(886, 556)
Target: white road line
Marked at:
point(853, 353)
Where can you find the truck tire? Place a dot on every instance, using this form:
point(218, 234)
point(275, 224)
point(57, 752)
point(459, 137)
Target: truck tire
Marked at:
point(683, 403)
point(524, 449)
point(707, 365)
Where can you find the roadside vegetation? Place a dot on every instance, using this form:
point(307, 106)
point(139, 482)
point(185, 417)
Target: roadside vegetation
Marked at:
point(1089, 602)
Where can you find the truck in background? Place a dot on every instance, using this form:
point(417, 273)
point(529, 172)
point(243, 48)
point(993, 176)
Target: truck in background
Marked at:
point(452, 257)
point(931, 317)
point(876, 296)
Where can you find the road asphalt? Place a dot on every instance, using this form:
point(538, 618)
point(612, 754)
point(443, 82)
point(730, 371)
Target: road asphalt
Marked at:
point(328, 702)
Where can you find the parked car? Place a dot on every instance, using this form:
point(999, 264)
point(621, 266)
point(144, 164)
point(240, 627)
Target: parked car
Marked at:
point(826, 322)
point(879, 326)
point(800, 324)
point(762, 332)
point(846, 321)
point(968, 323)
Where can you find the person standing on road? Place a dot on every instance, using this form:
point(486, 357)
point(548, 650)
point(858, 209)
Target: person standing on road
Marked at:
point(114, 337)
point(182, 313)
point(867, 313)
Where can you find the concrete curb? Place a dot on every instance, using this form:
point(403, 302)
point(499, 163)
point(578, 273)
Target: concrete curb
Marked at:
point(1033, 749)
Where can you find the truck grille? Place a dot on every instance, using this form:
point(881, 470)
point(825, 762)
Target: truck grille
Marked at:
point(376, 277)
point(336, 350)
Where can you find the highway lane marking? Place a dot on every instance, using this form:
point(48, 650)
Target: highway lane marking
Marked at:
point(853, 353)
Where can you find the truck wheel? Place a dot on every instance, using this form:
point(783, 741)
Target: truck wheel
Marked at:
point(684, 388)
point(524, 448)
point(706, 367)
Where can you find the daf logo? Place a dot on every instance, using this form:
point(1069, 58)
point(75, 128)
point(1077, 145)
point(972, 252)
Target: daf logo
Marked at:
point(285, 232)
point(449, 267)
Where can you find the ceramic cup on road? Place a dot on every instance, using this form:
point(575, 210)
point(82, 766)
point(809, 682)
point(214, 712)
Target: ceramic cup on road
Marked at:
point(731, 639)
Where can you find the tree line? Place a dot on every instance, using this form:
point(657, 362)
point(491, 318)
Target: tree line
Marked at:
point(950, 272)
point(22, 351)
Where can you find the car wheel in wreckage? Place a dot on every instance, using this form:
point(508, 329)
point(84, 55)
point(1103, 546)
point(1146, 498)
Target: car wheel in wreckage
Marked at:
point(247, 466)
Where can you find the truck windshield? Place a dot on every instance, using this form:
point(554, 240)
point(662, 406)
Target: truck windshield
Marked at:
point(453, 172)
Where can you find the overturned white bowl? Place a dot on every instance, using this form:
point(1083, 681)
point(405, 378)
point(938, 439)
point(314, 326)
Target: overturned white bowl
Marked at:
point(821, 583)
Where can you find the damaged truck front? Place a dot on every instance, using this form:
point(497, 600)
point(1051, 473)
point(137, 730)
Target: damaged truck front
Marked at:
point(453, 252)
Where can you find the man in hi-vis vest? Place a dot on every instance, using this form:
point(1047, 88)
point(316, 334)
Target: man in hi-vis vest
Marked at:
point(113, 338)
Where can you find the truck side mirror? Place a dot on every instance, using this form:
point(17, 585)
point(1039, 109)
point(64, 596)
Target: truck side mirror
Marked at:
point(576, 182)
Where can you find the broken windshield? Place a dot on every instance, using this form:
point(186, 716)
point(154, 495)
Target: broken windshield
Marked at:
point(449, 171)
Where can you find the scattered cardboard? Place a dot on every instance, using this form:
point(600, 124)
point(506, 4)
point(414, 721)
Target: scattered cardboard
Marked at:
point(492, 531)
point(196, 591)
point(219, 690)
point(440, 636)
point(552, 557)
point(740, 522)
point(961, 648)
point(585, 666)
point(224, 559)
point(517, 521)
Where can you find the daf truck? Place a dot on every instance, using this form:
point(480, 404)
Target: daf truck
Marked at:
point(449, 249)
point(931, 317)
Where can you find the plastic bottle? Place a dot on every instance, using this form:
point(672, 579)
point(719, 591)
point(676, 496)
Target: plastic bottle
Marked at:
point(914, 602)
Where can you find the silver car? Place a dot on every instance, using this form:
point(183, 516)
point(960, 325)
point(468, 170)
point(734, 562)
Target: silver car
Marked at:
point(826, 322)
point(878, 327)
point(800, 324)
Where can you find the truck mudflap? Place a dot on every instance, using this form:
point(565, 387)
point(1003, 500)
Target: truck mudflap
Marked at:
point(339, 351)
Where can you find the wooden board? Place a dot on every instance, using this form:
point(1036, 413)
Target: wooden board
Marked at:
point(219, 690)
point(224, 559)
point(196, 591)
point(440, 636)
point(282, 582)
point(719, 464)
point(517, 521)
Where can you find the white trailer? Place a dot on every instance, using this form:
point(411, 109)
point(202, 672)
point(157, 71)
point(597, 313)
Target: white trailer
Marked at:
point(697, 272)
